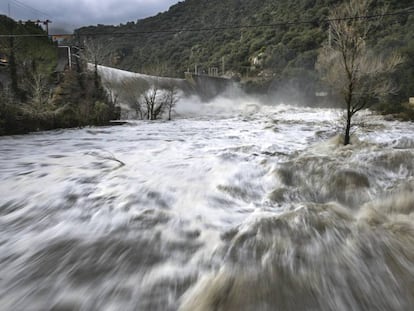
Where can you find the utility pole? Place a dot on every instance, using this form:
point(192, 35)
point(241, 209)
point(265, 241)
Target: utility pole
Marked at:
point(8, 9)
point(46, 23)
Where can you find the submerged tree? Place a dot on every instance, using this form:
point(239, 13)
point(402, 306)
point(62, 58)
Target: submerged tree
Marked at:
point(154, 106)
point(131, 91)
point(170, 99)
point(353, 70)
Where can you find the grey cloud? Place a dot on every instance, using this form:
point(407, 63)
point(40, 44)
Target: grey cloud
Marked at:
point(70, 14)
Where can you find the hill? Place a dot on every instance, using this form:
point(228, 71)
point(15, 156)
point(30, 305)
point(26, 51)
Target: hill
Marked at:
point(282, 51)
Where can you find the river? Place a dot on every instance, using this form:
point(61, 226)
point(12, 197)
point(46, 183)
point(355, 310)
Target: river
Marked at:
point(234, 205)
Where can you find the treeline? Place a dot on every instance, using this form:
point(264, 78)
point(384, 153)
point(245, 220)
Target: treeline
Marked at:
point(34, 96)
point(274, 58)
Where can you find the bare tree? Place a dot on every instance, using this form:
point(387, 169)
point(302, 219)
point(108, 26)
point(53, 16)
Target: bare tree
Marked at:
point(39, 91)
point(153, 104)
point(170, 99)
point(349, 66)
point(131, 91)
point(148, 99)
point(94, 52)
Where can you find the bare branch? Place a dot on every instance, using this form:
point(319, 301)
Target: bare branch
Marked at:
point(108, 156)
point(349, 66)
point(94, 52)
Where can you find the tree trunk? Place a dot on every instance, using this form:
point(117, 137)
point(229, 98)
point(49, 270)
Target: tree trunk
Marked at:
point(347, 137)
point(96, 76)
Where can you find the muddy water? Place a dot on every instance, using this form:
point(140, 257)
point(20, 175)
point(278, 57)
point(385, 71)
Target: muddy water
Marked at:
point(252, 208)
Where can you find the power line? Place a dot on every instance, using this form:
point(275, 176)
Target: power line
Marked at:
point(29, 35)
point(30, 8)
point(232, 27)
point(225, 27)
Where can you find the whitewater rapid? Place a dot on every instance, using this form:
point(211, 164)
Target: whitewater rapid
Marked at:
point(234, 205)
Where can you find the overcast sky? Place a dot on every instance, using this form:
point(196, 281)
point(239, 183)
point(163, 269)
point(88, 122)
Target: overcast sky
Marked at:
point(70, 14)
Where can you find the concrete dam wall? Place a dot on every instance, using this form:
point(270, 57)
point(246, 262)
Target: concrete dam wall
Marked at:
point(206, 87)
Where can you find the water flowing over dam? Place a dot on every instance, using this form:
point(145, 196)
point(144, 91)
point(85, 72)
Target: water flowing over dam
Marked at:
point(228, 207)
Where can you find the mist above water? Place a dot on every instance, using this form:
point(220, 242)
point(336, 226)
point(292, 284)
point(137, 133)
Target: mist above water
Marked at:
point(235, 205)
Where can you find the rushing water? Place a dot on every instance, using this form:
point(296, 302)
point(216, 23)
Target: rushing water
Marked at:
point(244, 208)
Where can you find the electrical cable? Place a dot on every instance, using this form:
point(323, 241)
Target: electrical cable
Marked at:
point(224, 27)
point(28, 7)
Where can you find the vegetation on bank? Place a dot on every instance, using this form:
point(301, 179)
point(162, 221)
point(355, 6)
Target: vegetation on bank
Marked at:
point(34, 96)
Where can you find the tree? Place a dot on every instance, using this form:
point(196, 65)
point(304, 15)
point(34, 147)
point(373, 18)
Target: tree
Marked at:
point(170, 99)
point(131, 91)
point(152, 103)
point(148, 99)
point(96, 53)
point(39, 91)
point(352, 69)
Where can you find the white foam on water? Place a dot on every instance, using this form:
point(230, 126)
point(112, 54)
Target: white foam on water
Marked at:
point(74, 220)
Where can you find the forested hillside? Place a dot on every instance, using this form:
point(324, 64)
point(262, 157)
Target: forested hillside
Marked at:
point(280, 53)
point(34, 95)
